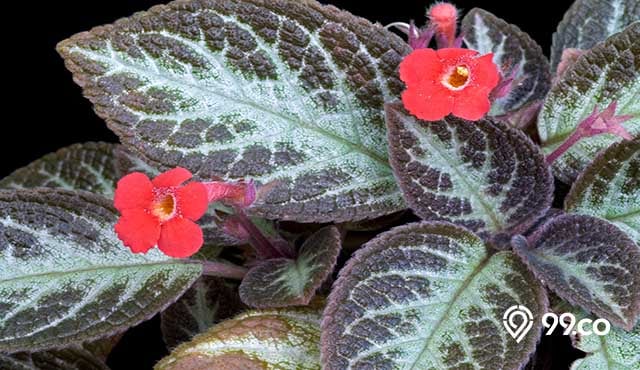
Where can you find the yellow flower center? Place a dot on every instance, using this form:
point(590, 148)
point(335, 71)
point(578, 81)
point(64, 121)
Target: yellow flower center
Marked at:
point(457, 78)
point(164, 208)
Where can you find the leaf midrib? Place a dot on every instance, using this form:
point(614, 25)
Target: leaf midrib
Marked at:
point(293, 121)
point(96, 269)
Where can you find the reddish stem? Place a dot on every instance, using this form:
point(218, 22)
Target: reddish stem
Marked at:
point(221, 269)
point(263, 247)
point(574, 138)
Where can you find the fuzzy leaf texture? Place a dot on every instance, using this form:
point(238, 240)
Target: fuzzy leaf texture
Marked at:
point(609, 72)
point(286, 282)
point(65, 277)
point(588, 22)
point(285, 339)
point(618, 350)
point(209, 301)
point(483, 175)
point(516, 54)
point(588, 262)
point(428, 296)
point(72, 358)
point(610, 188)
point(276, 90)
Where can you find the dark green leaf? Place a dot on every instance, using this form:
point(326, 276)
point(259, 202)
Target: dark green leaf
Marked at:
point(483, 175)
point(275, 90)
point(65, 277)
point(589, 263)
point(513, 50)
point(286, 282)
point(428, 296)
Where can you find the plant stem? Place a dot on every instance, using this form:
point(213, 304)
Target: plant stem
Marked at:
point(221, 269)
point(566, 145)
point(263, 247)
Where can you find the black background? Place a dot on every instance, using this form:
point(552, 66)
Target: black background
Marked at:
point(43, 110)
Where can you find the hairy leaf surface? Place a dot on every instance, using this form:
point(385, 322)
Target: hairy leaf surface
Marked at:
point(285, 339)
point(285, 282)
point(609, 72)
point(483, 175)
point(209, 301)
point(515, 53)
point(275, 90)
point(610, 188)
point(66, 278)
point(428, 296)
point(587, 22)
point(618, 350)
point(588, 262)
point(73, 358)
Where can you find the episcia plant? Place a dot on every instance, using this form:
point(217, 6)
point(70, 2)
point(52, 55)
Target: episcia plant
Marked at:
point(298, 188)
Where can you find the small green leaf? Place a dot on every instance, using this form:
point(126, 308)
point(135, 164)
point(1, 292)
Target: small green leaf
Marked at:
point(609, 72)
point(429, 296)
point(209, 301)
point(588, 262)
point(483, 175)
point(285, 339)
point(89, 166)
point(286, 282)
point(513, 51)
point(283, 91)
point(588, 22)
point(618, 350)
point(72, 358)
point(65, 277)
point(610, 188)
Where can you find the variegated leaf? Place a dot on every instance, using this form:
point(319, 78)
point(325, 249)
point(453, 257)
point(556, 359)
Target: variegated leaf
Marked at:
point(588, 22)
point(285, 339)
point(609, 72)
point(610, 188)
point(88, 166)
point(66, 278)
point(618, 350)
point(483, 175)
point(286, 282)
point(209, 301)
point(428, 296)
point(275, 90)
point(515, 53)
point(73, 358)
point(588, 262)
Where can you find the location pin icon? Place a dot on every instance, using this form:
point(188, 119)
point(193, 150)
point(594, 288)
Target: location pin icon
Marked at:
point(518, 320)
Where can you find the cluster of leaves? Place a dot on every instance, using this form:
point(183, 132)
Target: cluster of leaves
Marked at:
point(304, 97)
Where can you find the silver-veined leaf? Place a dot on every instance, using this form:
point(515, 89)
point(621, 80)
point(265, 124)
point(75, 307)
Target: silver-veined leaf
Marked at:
point(88, 166)
point(286, 282)
point(588, 22)
point(428, 296)
point(65, 277)
point(209, 301)
point(610, 72)
point(274, 90)
point(284, 339)
point(588, 262)
point(610, 188)
point(515, 53)
point(617, 350)
point(483, 175)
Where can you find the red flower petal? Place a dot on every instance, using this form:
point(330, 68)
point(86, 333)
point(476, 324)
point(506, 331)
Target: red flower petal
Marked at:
point(133, 191)
point(172, 178)
point(180, 238)
point(138, 230)
point(485, 72)
point(471, 106)
point(451, 56)
point(430, 102)
point(192, 200)
point(420, 65)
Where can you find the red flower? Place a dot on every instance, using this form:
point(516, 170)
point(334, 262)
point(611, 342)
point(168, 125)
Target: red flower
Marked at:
point(161, 212)
point(449, 80)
